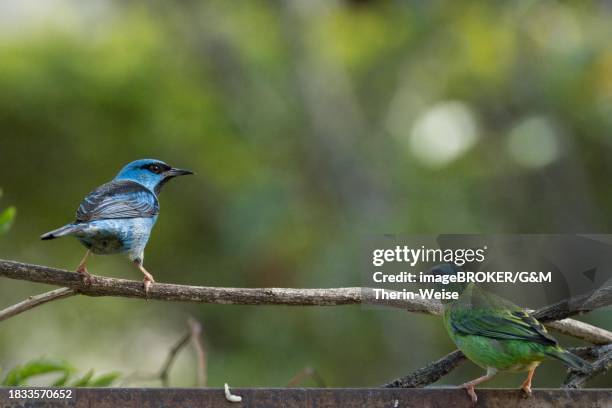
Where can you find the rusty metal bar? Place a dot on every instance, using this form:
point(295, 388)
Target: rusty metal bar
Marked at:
point(312, 397)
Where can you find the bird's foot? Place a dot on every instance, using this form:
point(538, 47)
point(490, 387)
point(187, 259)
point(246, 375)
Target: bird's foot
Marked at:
point(526, 388)
point(470, 390)
point(85, 275)
point(147, 282)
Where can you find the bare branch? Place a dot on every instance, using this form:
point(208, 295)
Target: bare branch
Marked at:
point(429, 374)
point(34, 301)
point(196, 338)
point(194, 334)
point(164, 372)
point(597, 299)
point(603, 363)
point(438, 369)
point(581, 330)
point(102, 286)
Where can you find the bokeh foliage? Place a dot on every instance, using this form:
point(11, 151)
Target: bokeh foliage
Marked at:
point(7, 216)
point(63, 375)
point(311, 125)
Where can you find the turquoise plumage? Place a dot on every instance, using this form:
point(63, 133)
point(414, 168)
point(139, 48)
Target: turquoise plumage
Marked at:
point(118, 216)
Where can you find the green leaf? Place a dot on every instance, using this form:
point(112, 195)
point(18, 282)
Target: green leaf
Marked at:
point(20, 374)
point(104, 380)
point(6, 219)
point(84, 380)
point(60, 382)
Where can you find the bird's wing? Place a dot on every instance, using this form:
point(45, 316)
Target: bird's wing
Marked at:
point(489, 315)
point(118, 199)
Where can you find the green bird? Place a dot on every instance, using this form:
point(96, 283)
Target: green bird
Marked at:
point(498, 335)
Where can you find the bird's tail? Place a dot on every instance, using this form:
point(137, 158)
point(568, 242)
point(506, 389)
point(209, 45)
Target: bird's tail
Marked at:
point(60, 232)
point(570, 359)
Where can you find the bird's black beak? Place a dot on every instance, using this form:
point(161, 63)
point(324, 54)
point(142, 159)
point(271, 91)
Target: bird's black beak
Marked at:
point(178, 172)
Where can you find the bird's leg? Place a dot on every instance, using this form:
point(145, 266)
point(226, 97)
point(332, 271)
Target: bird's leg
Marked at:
point(469, 386)
point(82, 269)
point(526, 387)
point(148, 279)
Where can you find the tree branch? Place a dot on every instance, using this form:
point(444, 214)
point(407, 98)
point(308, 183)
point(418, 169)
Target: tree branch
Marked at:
point(429, 374)
point(195, 329)
point(438, 369)
point(164, 372)
point(581, 330)
point(598, 298)
point(195, 335)
point(34, 301)
point(102, 286)
point(603, 363)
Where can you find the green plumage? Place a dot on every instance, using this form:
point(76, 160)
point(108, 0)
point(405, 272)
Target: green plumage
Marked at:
point(495, 333)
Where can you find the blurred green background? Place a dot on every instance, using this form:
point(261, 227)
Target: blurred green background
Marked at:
point(311, 125)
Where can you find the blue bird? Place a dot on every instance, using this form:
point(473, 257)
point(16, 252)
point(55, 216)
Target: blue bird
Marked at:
point(117, 217)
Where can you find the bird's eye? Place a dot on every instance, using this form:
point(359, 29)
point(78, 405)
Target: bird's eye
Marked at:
point(155, 168)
